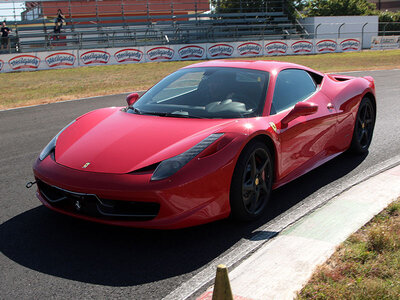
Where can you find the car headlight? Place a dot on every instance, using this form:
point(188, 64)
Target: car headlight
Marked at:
point(172, 165)
point(52, 144)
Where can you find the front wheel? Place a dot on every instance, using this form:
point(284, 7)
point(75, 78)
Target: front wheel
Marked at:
point(364, 127)
point(251, 182)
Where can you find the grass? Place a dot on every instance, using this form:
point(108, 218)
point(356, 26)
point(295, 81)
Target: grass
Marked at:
point(27, 88)
point(365, 266)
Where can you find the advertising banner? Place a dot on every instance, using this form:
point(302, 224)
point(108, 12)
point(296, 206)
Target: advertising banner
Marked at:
point(160, 53)
point(191, 51)
point(127, 55)
point(94, 57)
point(24, 62)
point(220, 50)
point(349, 44)
point(38, 61)
point(249, 49)
point(277, 47)
point(301, 47)
point(385, 42)
point(326, 46)
point(59, 59)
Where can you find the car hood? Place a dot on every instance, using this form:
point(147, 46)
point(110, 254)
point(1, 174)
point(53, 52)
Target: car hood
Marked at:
point(112, 141)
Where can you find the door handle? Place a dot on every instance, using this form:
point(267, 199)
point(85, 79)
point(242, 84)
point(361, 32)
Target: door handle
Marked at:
point(330, 106)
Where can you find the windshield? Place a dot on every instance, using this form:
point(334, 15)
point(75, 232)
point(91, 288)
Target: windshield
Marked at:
point(206, 93)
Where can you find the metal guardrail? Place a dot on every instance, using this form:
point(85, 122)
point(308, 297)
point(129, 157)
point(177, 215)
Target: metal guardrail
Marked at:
point(384, 28)
point(389, 28)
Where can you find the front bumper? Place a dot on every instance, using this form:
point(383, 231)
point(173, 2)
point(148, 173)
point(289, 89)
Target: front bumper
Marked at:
point(197, 194)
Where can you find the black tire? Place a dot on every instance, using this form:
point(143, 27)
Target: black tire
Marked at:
point(251, 182)
point(364, 127)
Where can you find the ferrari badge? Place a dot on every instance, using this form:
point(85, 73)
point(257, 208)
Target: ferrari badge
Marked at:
point(86, 165)
point(273, 126)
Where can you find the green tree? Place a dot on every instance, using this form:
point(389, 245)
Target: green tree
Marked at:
point(339, 8)
point(389, 22)
point(245, 6)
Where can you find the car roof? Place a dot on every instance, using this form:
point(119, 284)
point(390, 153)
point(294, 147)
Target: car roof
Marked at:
point(263, 65)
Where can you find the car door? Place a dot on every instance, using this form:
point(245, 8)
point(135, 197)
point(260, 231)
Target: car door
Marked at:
point(307, 140)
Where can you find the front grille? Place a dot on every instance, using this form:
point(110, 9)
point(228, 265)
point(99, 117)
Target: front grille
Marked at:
point(91, 205)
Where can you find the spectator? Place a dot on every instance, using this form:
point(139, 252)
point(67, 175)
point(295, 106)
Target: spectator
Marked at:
point(60, 19)
point(5, 39)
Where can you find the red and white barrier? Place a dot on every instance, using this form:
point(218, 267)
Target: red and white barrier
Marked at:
point(127, 55)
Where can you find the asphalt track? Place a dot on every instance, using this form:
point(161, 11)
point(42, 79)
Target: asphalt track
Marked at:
point(47, 255)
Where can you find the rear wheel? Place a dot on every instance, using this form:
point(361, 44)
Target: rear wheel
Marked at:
point(364, 127)
point(251, 182)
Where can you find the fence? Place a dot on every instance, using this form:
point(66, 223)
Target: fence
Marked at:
point(385, 29)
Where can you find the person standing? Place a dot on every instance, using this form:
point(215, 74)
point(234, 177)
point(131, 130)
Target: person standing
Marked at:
point(5, 39)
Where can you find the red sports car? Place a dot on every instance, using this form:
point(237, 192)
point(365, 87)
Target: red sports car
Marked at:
point(208, 141)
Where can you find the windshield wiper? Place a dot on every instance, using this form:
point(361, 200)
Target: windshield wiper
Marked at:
point(132, 110)
point(178, 114)
point(182, 115)
point(136, 110)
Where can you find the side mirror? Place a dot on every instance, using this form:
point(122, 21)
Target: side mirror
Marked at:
point(132, 98)
point(300, 109)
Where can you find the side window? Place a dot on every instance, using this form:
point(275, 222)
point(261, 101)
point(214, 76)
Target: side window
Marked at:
point(292, 86)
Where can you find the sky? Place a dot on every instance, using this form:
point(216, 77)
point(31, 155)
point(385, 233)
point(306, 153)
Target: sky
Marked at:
point(7, 11)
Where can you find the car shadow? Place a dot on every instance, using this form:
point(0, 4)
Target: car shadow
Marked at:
point(69, 248)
